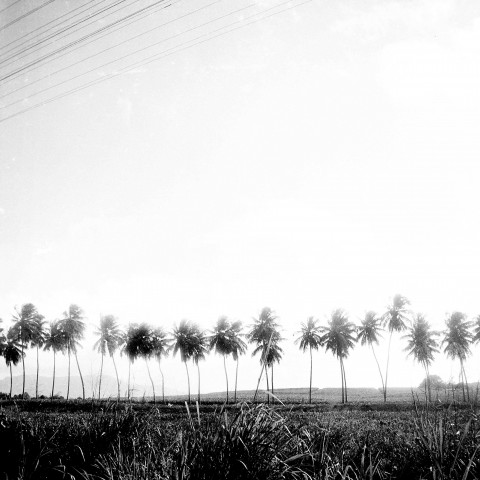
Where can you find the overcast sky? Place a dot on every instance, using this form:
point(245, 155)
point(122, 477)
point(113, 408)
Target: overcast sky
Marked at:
point(324, 157)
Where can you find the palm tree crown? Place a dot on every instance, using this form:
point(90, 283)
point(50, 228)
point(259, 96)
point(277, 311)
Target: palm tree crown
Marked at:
point(72, 326)
point(421, 342)
point(110, 335)
point(264, 331)
point(458, 336)
point(12, 353)
point(221, 339)
point(239, 346)
point(139, 342)
point(395, 317)
point(309, 335)
point(55, 339)
point(185, 338)
point(368, 331)
point(339, 336)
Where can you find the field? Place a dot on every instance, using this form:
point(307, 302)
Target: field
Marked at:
point(139, 440)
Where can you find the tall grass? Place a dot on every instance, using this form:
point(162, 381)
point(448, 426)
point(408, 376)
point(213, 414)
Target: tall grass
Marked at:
point(249, 442)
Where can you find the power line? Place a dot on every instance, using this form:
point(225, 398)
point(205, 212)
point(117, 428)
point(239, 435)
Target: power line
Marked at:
point(21, 17)
point(11, 5)
point(55, 34)
point(50, 74)
point(131, 53)
point(159, 56)
point(80, 40)
point(48, 23)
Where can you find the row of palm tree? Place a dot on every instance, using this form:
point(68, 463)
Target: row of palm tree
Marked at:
point(226, 338)
point(28, 330)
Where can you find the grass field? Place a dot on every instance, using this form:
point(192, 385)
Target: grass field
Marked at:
point(139, 440)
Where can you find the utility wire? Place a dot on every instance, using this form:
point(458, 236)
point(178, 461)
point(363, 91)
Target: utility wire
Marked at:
point(130, 54)
point(156, 57)
point(50, 74)
point(21, 17)
point(11, 5)
point(46, 24)
point(16, 57)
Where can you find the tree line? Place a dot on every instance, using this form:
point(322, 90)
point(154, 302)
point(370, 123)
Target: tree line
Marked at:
point(142, 341)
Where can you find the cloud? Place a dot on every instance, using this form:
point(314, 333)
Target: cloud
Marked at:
point(2, 211)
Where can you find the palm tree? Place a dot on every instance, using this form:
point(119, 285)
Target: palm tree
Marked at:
point(394, 318)
point(199, 349)
point(457, 339)
point(223, 342)
point(38, 341)
point(3, 340)
point(25, 329)
point(139, 344)
point(264, 334)
point(161, 347)
point(339, 337)
point(110, 337)
point(239, 348)
point(273, 355)
point(368, 333)
point(422, 346)
point(309, 338)
point(183, 342)
point(123, 350)
point(12, 353)
point(55, 340)
point(72, 328)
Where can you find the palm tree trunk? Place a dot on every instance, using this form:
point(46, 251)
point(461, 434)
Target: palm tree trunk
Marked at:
point(386, 371)
point(311, 368)
point(151, 380)
point(198, 369)
point(80, 373)
point(163, 380)
point(116, 374)
point(341, 374)
point(188, 381)
point(345, 382)
point(23, 366)
point(268, 388)
point(36, 383)
point(226, 375)
point(379, 369)
point(53, 382)
point(465, 378)
point(128, 387)
point(236, 378)
point(100, 381)
point(273, 399)
point(11, 380)
point(427, 385)
point(68, 381)
point(259, 379)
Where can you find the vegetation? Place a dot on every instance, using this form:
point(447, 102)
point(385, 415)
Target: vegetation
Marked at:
point(264, 334)
point(125, 441)
point(395, 319)
point(339, 336)
point(310, 338)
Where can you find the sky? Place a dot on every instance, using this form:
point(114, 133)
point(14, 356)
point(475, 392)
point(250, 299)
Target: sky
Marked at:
point(323, 157)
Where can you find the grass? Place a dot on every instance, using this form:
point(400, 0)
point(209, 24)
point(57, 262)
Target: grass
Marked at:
point(103, 441)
